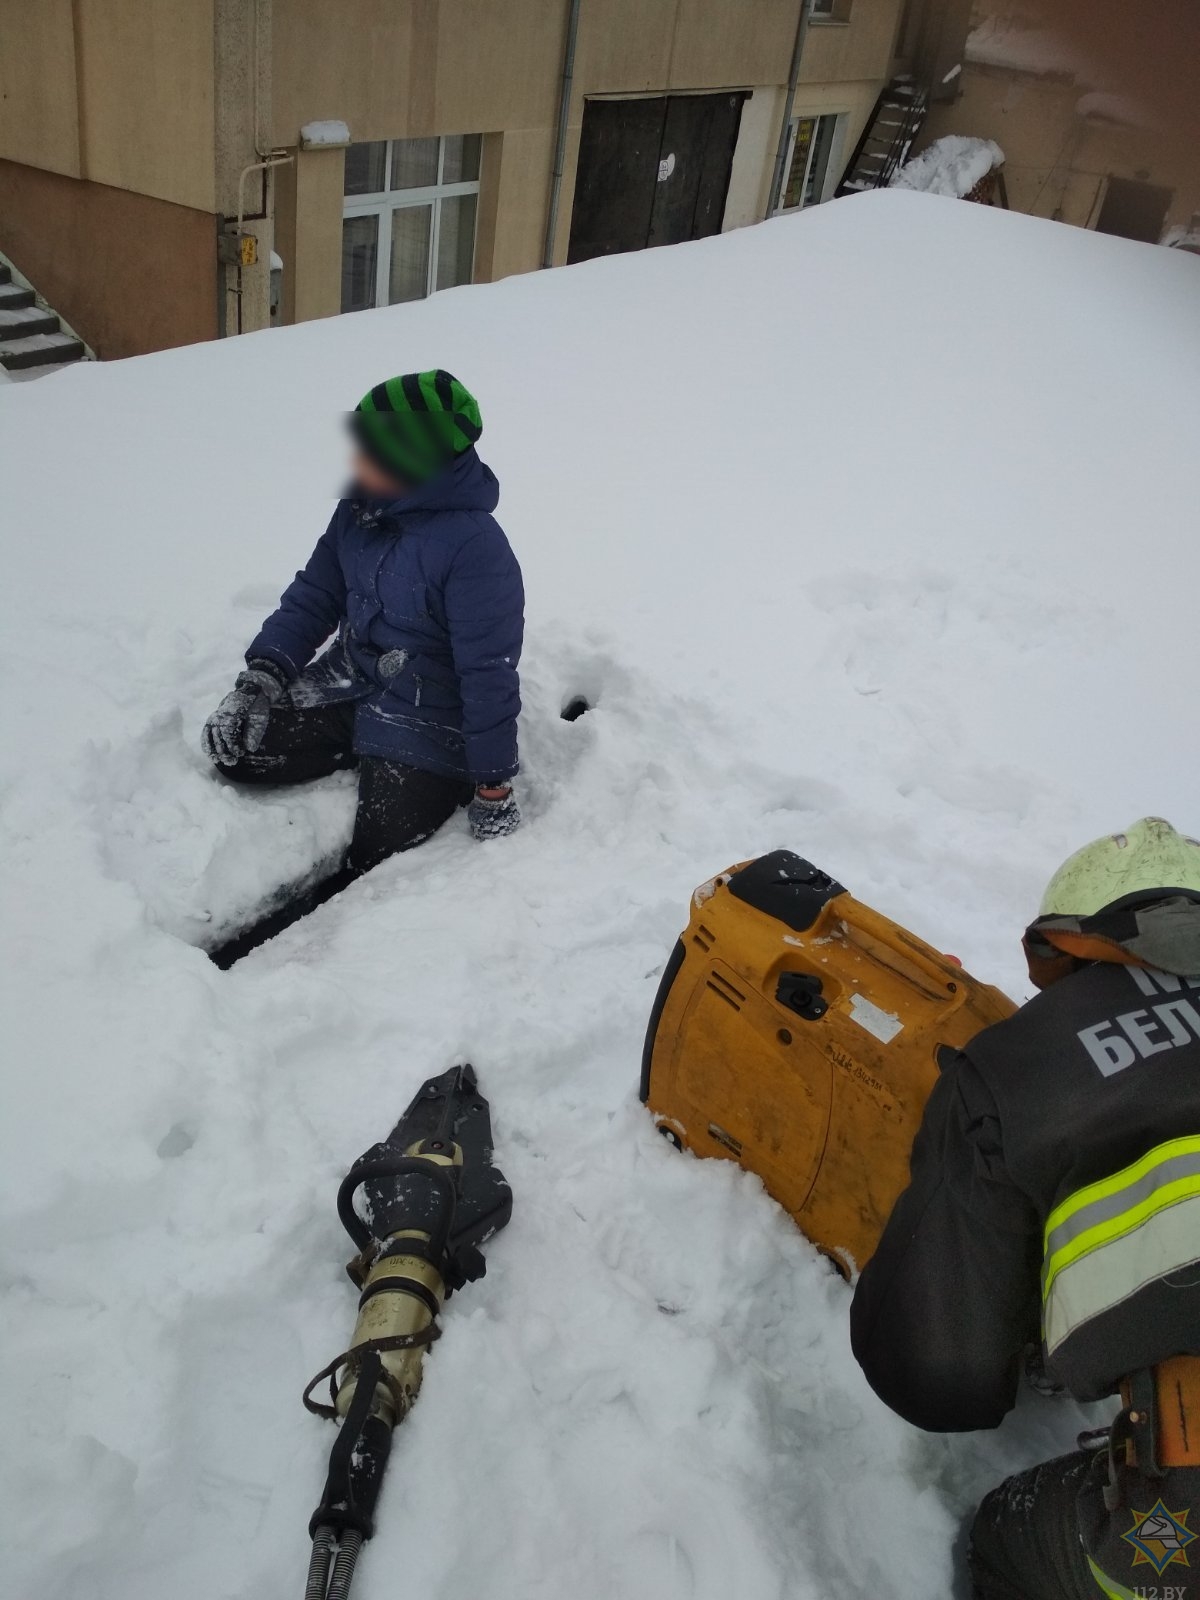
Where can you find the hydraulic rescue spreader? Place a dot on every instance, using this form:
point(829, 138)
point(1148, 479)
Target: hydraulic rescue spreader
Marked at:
point(418, 1206)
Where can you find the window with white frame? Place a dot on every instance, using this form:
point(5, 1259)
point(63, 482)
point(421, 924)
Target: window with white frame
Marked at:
point(408, 219)
point(809, 167)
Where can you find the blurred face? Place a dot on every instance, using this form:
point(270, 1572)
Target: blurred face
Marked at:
point(374, 482)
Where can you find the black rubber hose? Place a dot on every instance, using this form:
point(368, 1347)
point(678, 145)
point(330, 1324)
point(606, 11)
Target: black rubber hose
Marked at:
point(343, 1567)
point(318, 1566)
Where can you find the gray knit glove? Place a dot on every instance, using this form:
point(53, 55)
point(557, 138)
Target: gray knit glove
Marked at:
point(236, 728)
point(492, 819)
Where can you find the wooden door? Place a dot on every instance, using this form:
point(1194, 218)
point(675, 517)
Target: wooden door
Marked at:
point(652, 171)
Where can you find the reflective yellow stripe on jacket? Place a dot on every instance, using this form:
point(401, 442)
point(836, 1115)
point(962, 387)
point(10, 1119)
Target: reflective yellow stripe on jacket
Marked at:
point(1110, 1586)
point(1107, 1241)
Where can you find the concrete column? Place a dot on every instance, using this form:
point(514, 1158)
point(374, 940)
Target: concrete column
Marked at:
point(310, 234)
point(514, 195)
point(242, 108)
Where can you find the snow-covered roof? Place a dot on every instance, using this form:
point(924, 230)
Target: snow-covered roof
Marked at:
point(868, 531)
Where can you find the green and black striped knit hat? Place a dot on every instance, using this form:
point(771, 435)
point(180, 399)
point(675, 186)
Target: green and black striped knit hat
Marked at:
point(416, 425)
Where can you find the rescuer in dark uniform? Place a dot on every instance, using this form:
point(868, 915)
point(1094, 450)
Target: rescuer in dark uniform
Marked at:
point(1055, 1196)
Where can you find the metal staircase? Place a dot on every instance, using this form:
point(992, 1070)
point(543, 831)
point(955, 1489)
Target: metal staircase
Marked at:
point(888, 137)
point(31, 335)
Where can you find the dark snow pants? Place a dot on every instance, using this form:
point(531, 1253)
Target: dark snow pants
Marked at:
point(1033, 1535)
point(398, 806)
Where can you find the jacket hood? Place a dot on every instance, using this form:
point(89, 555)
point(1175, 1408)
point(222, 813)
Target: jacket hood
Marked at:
point(465, 485)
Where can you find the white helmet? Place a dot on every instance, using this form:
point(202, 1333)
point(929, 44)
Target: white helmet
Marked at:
point(1132, 896)
point(1150, 858)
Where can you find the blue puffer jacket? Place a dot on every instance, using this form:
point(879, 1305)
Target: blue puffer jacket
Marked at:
point(426, 597)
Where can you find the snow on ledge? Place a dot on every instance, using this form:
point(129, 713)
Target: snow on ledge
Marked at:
point(951, 166)
point(314, 135)
point(1009, 42)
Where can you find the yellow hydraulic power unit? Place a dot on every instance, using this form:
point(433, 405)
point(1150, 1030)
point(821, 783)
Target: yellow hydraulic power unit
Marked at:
point(798, 1032)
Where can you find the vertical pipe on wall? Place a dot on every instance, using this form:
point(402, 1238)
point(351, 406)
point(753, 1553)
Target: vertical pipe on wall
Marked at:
point(260, 26)
point(560, 143)
point(785, 127)
point(81, 101)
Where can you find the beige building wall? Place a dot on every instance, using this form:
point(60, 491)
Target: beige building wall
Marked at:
point(847, 52)
point(1058, 157)
point(414, 68)
point(397, 69)
point(165, 100)
point(714, 45)
point(747, 46)
point(116, 91)
point(107, 181)
point(145, 71)
point(176, 101)
point(130, 274)
point(1076, 91)
point(39, 117)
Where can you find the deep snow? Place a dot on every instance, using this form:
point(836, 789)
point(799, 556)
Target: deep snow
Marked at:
point(869, 532)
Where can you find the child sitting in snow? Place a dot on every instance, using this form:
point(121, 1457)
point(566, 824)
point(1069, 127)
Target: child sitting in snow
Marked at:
point(419, 691)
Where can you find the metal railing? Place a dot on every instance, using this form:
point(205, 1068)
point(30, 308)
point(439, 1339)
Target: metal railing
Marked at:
point(887, 138)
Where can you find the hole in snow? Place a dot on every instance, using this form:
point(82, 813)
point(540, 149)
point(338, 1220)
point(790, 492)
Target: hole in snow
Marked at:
point(575, 708)
point(177, 1141)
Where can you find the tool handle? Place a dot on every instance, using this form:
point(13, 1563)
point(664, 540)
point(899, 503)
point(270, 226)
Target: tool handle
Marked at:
point(357, 1460)
point(373, 1168)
